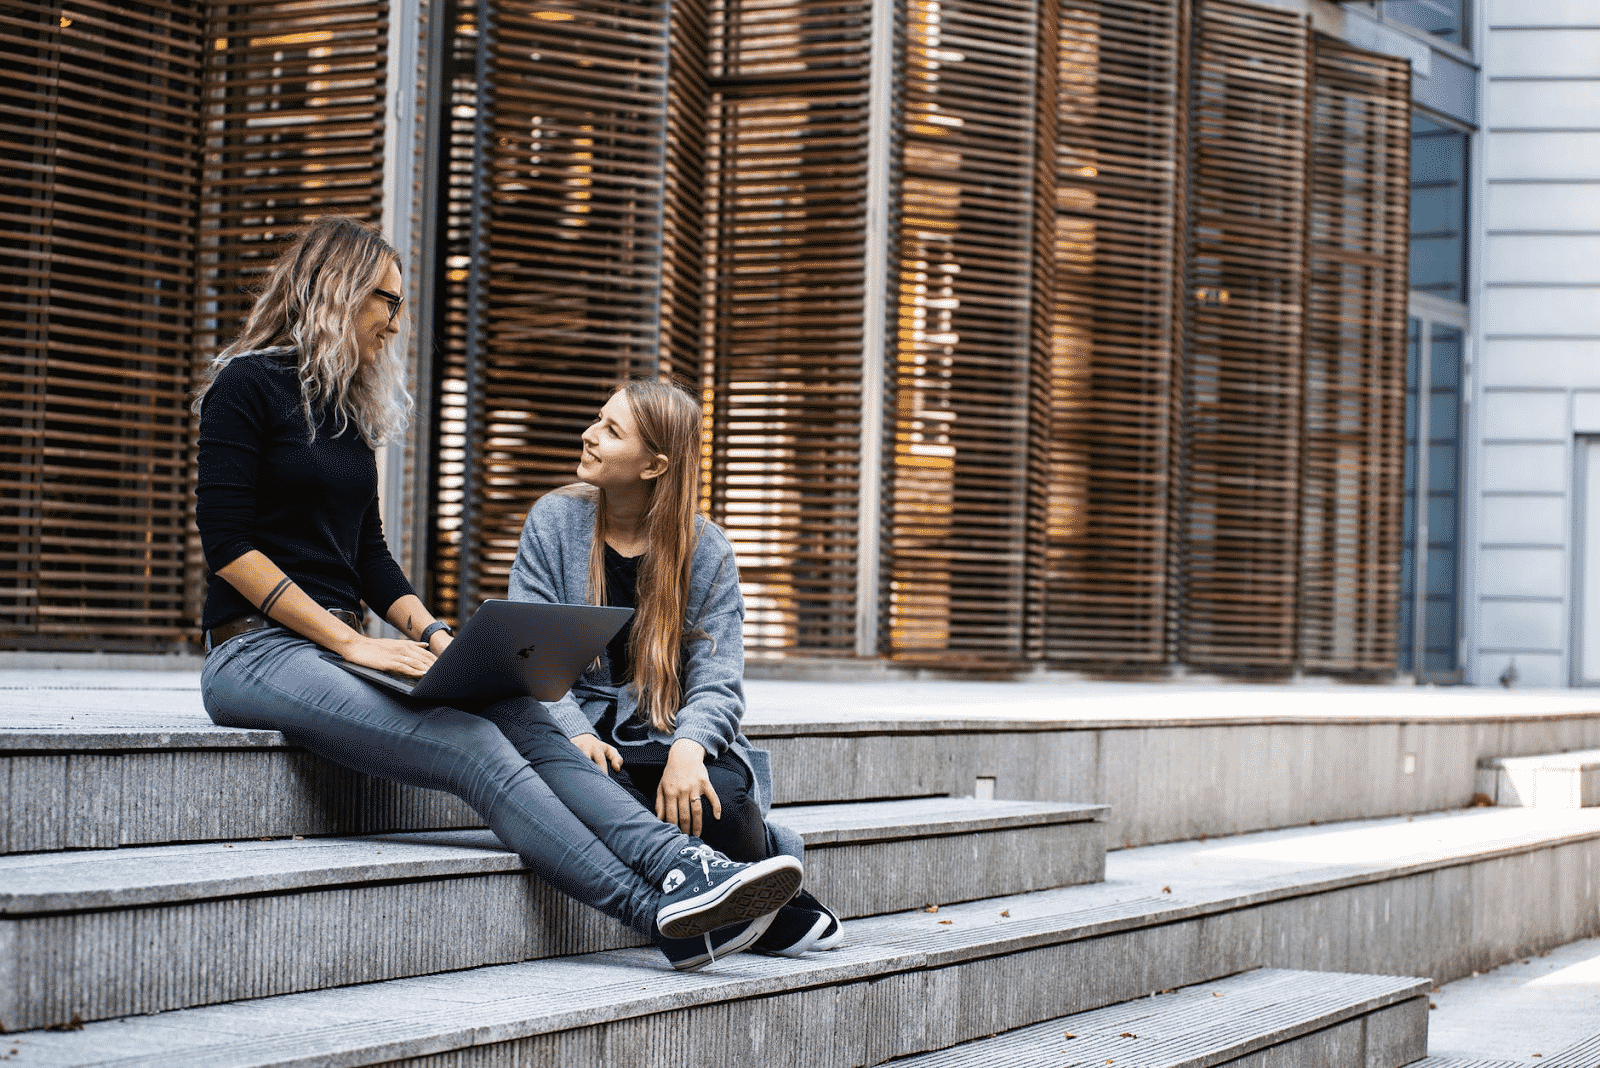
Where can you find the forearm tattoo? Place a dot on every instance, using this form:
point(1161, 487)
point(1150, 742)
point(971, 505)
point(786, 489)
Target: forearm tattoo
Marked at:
point(272, 598)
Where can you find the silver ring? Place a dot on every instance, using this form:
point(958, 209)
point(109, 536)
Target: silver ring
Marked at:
point(696, 797)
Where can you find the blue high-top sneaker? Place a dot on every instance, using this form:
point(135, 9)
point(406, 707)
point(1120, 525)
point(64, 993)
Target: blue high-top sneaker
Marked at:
point(705, 890)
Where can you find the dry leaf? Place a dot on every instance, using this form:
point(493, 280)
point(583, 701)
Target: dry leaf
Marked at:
point(1069, 1034)
point(1166, 889)
point(946, 923)
point(1216, 993)
point(1127, 1034)
point(1005, 912)
point(930, 908)
point(1433, 1004)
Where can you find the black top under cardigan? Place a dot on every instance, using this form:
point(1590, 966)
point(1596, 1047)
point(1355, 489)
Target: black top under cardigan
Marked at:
point(310, 506)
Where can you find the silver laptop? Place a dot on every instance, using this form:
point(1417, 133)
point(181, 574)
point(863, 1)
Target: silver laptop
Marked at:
point(511, 649)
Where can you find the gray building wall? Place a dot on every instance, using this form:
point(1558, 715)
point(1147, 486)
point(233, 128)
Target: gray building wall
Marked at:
point(1537, 298)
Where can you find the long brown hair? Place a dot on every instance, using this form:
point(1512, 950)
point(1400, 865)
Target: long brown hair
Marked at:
point(308, 303)
point(668, 418)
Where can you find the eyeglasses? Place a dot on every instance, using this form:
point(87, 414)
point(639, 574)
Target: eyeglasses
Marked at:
point(391, 300)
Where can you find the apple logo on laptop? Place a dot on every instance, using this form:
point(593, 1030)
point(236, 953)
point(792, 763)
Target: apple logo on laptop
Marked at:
point(523, 654)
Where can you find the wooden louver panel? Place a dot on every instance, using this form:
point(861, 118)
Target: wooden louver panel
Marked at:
point(786, 220)
point(1112, 331)
point(570, 273)
point(1355, 359)
point(964, 378)
point(293, 128)
point(99, 149)
point(1241, 463)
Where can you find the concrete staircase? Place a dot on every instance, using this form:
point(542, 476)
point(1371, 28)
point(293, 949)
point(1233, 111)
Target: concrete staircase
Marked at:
point(973, 926)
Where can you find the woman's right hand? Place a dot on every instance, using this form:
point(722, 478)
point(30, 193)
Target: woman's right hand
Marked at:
point(397, 655)
point(598, 751)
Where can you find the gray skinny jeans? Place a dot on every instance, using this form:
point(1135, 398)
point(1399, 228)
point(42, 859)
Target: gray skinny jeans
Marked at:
point(574, 827)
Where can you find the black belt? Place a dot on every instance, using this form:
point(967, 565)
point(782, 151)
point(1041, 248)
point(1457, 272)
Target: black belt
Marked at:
point(255, 621)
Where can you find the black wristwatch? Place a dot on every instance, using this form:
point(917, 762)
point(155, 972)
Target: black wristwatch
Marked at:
point(434, 628)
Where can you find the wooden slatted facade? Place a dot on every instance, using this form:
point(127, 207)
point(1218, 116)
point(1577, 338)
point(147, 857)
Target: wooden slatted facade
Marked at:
point(1143, 300)
point(1245, 296)
point(1112, 370)
point(786, 255)
point(293, 128)
point(1352, 471)
point(99, 147)
point(969, 352)
point(560, 285)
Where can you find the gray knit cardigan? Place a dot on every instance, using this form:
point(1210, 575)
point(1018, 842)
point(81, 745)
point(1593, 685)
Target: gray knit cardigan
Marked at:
point(552, 566)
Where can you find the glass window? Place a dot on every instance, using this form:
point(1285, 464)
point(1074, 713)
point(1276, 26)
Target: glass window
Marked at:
point(1444, 19)
point(1429, 564)
point(1438, 209)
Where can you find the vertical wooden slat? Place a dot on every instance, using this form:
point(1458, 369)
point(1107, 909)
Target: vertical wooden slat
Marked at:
point(1355, 360)
point(963, 386)
point(99, 150)
point(786, 225)
point(1117, 171)
point(1245, 331)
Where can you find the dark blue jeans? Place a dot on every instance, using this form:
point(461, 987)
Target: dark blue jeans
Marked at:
point(579, 831)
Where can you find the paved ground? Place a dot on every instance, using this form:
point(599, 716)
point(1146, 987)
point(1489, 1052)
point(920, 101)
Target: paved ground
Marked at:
point(1525, 1011)
point(901, 701)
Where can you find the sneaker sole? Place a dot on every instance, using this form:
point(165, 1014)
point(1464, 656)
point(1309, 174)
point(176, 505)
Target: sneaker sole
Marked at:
point(736, 945)
point(766, 886)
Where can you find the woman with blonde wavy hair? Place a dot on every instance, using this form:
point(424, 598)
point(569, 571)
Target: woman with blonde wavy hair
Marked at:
point(661, 709)
point(287, 508)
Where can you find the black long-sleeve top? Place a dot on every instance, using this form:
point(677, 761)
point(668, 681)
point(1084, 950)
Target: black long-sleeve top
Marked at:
point(310, 507)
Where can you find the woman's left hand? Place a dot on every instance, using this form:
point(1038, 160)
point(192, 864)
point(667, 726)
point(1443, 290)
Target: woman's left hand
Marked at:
point(685, 788)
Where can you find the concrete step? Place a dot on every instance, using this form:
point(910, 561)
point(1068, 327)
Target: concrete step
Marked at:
point(1439, 896)
point(94, 760)
point(1290, 1019)
point(1551, 780)
point(1585, 1054)
point(1469, 1062)
point(106, 933)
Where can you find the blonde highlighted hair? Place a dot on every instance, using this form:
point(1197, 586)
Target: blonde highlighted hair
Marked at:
point(668, 420)
point(308, 303)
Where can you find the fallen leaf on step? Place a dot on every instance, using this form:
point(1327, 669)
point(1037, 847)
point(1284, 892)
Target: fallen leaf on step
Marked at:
point(946, 923)
point(930, 908)
point(1069, 1034)
point(1216, 993)
point(1127, 1034)
point(1433, 1004)
point(1166, 889)
point(1005, 912)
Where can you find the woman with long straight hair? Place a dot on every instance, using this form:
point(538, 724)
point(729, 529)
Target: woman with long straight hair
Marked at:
point(288, 516)
point(661, 709)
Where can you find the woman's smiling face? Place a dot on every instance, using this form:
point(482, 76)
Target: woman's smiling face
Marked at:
point(374, 326)
point(614, 455)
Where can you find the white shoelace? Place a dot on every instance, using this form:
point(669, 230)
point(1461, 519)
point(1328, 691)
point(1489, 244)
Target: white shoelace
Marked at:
point(707, 857)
